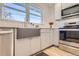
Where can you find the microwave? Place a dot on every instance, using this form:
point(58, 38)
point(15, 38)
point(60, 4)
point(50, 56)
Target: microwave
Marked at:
point(70, 11)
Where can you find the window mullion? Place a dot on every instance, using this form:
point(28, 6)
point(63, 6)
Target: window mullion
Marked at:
point(28, 12)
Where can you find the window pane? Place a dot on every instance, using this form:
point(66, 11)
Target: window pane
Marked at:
point(34, 8)
point(35, 19)
point(15, 6)
point(14, 14)
point(35, 14)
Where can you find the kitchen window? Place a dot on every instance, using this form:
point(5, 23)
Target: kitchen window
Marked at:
point(20, 12)
point(15, 11)
point(35, 14)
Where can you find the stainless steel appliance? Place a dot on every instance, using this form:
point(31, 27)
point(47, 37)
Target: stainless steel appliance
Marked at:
point(72, 36)
point(70, 11)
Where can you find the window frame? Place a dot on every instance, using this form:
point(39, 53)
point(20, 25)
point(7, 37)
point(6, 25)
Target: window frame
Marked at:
point(27, 13)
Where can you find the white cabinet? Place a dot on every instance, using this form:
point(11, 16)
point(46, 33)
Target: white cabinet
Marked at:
point(46, 38)
point(0, 45)
point(57, 11)
point(56, 36)
point(31, 45)
point(27, 41)
point(27, 46)
point(35, 44)
point(51, 36)
point(6, 45)
point(22, 47)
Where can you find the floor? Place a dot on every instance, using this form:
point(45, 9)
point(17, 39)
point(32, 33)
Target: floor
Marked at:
point(54, 51)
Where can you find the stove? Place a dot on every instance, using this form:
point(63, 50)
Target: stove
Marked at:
point(72, 36)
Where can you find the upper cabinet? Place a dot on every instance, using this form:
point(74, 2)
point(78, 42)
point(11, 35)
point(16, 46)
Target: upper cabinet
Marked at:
point(57, 11)
point(59, 6)
point(66, 5)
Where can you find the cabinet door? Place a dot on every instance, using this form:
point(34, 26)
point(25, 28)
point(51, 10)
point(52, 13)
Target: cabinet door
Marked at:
point(51, 37)
point(6, 43)
point(0, 46)
point(22, 47)
point(35, 44)
point(56, 37)
point(44, 40)
point(57, 11)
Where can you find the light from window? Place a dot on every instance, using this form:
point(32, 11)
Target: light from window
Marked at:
point(35, 15)
point(15, 11)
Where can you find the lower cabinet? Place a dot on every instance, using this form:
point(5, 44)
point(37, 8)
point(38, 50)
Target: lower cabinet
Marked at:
point(46, 38)
point(22, 47)
point(51, 36)
point(35, 45)
point(27, 46)
point(56, 37)
point(6, 45)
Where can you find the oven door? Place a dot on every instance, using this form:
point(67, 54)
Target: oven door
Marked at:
point(72, 36)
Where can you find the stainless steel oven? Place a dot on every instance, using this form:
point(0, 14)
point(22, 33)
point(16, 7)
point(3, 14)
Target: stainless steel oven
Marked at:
point(69, 34)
